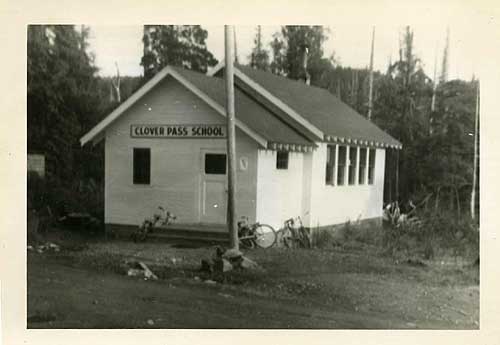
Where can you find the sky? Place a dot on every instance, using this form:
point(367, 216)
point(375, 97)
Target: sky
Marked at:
point(349, 43)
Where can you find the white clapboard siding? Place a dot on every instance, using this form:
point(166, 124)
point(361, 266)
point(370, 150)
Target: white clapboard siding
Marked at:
point(175, 163)
point(279, 192)
point(338, 204)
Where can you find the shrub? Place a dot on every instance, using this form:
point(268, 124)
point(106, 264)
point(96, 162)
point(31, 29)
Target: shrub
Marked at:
point(37, 191)
point(62, 197)
point(436, 233)
point(325, 238)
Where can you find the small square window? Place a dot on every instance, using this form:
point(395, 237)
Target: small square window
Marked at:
point(282, 160)
point(215, 163)
point(142, 166)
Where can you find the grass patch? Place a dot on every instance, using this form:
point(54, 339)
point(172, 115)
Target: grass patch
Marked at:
point(438, 235)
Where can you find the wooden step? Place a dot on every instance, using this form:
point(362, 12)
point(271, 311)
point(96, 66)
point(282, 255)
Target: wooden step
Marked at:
point(187, 239)
point(189, 234)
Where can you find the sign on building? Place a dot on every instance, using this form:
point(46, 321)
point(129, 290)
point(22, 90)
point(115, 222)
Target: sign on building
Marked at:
point(178, 131)
point(36, 163)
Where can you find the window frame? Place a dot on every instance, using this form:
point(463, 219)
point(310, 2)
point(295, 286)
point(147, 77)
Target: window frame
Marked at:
point(371, 166)
point(344, 166)
point(205, 163)
point(141, 178)
point(352, 166)
point(363, 175)
point(331, 174)
point(278, 161)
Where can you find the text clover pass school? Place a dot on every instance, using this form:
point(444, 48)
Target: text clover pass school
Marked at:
point(300, 151)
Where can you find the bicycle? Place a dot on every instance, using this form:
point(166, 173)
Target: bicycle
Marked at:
point(164, 218)
point(256, 234)
point(294, 234)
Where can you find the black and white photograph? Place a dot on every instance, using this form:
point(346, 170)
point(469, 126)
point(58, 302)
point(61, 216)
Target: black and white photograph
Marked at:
point(256, 179)
point(182, 175)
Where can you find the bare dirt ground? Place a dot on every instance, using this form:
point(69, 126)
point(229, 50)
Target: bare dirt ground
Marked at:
point(86, 287)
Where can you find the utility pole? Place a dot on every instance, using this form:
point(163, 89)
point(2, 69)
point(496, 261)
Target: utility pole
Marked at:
point(231, 147)
point(370, 92)
point(476, 156)
point(235, 48)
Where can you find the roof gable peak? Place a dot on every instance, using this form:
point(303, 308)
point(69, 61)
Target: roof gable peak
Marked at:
point(96, 133)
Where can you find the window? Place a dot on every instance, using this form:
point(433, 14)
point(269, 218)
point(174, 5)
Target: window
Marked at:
point(215, 163)
point(330, 164)
point(142, 166)
point(371, 166)
point(362, 166)
point(353, 161)
point(282, 160)
point(341, 165)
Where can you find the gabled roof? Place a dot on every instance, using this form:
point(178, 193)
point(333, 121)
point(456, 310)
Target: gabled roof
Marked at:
point(251, 118)
point(320, 109)
point(247, 110)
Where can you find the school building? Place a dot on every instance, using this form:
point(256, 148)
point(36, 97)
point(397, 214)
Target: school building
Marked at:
point(300, 151)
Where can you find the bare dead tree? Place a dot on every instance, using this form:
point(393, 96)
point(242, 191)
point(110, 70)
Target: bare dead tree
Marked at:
point(370, 92)
point(434, 83)
point(476, 156)
point(116, 84)
point(446, 57)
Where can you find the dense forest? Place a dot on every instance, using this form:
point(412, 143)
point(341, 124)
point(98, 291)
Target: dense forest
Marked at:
point(434, 118)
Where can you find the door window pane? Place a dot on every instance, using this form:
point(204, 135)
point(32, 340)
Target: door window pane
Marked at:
point(215, 163)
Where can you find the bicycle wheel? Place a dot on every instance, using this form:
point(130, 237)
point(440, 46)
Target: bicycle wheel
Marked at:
point(265, 236)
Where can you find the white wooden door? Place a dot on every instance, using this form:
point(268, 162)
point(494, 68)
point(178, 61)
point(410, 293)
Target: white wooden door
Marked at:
point(213, 186)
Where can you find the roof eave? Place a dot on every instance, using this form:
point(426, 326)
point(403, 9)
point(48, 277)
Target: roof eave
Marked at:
point(97, 129)
point(304, 125)
point(394, 144)
point(96, 133)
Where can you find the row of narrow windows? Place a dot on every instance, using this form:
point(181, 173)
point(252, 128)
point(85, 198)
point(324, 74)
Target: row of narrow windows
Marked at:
point(356, 164)
point(349, 165)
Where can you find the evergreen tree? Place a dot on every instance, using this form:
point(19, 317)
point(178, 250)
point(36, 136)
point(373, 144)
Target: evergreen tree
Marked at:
point(448, 161)
point(180, 45)
point(278, 49)
point(297, 39)
point(288, 49)
point(62, 94)
point(259, 58)
point(401, 108)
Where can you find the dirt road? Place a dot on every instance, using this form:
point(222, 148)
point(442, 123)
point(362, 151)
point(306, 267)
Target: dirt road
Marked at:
point(60, 296)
